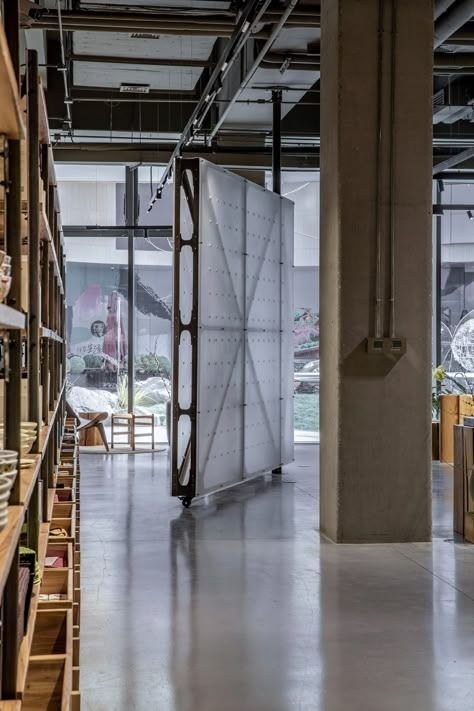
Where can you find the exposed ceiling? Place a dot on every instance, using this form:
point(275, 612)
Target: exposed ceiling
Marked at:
point(167, 50)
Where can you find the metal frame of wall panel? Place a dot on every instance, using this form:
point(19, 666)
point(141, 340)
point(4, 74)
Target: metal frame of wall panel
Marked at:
point(232, 402)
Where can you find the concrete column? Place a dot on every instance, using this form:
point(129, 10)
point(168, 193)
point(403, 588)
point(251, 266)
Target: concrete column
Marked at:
point(376, 189)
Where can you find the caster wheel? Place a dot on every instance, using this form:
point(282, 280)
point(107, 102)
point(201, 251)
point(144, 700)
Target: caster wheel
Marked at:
point(186, 501)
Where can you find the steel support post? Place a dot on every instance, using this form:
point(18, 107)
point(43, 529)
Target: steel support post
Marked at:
point(131, 218)
point(276, 141)
point(33, 243)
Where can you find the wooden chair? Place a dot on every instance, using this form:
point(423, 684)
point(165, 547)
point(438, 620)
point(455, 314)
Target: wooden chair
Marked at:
point(96, 422)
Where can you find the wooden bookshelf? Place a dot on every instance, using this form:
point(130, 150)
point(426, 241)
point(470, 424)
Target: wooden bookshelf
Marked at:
point(9, 538)
point(39, 675)
point(11, 118)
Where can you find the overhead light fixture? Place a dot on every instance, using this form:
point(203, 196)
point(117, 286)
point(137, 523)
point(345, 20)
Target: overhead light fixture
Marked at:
point(285, 65)
point(144, 35)
point(134, 88)
point(470, 215)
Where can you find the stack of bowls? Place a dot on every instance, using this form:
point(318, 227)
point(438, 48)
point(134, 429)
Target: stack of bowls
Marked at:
point(8, 472)
point(5, 275)
point(27, 435)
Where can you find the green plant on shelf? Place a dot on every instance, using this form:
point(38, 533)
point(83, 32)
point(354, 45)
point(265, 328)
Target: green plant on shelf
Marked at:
point(448, 384)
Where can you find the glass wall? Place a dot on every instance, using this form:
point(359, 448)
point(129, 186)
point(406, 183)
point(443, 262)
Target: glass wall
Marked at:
point(457, 286)
point(93, 199)
point(303, 190)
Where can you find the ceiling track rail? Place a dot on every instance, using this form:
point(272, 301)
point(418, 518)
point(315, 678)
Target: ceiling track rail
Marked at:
point(248, 21)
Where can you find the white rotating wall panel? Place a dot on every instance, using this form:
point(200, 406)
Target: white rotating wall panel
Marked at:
point(263, 353)
point(221, 330)
point(287, 319)
point(245, 394)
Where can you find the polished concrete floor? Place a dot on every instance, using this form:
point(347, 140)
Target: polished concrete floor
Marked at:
point(237, 604)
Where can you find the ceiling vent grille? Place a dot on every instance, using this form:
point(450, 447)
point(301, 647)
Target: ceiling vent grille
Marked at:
point(134, 88)
point(144, 35)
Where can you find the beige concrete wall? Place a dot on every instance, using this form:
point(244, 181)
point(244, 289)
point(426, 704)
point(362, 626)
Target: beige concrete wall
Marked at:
point(375, 411)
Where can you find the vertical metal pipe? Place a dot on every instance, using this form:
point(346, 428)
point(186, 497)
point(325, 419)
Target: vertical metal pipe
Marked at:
point(33, 242)
point(46, 319)
point(44, 479)
point(276, 141)
point(437, 282)
point(12, 32)
point(379, 303)
point(393, 166)
point(131, 218)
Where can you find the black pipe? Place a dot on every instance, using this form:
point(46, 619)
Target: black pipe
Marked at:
point(276, 141)
point(131, 217)
point(33, 245)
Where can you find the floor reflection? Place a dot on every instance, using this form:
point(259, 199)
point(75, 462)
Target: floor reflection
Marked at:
point(237, 605)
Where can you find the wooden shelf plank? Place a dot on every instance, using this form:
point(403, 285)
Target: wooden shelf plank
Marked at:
point(43, 115)
point(46, 429)
point(45, 232)
point(25, 648)
point(29, 475)
point(52, 335)
point(11, 318)
point(11, 117)
point(9, 538)
point(10, 705)
point(51, 495)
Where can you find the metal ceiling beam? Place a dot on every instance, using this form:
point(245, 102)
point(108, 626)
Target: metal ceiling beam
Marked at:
point(452, 20)
point(441, 6)
point(460, 176)
point(140, 61)
point(112, 93)
point(248, 20)
point(457, 60)
point(151, 154)
point(258, 60)
point(453, 160)
point(152, 22)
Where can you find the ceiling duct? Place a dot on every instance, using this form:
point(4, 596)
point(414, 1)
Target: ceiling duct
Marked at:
point(452, 20)
point(441, 6)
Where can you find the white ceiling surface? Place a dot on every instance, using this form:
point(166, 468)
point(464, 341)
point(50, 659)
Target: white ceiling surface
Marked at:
point(121, 45)
point(113, 75)
point(290, 40)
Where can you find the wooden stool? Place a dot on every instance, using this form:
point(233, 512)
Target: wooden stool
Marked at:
point(123, 425)
point(127, 425)
point(144, 421)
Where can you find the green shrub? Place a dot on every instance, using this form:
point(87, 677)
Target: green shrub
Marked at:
point(154, 365)
point(93, 361)
point(77, 365)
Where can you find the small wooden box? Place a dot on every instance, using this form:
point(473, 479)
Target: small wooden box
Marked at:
point(57, 581)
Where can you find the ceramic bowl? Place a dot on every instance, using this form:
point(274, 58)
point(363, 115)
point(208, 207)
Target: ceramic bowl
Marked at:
point(9, 476)
point(29, 426)
point(5, 284)
point(8, 460)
